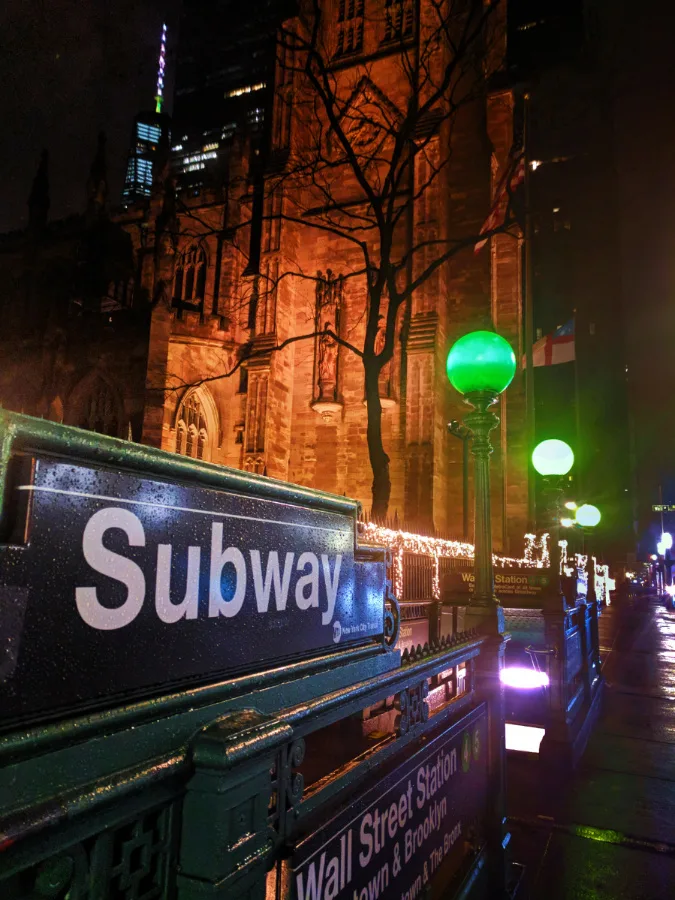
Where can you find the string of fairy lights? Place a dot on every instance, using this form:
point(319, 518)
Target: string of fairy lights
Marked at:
point(535, 556)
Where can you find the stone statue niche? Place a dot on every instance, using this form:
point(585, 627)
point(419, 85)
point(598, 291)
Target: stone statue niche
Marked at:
point(328, 302)
point(385, 381)
point(329, 292)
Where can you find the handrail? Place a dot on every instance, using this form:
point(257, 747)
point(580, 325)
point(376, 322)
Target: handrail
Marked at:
point(19, 432)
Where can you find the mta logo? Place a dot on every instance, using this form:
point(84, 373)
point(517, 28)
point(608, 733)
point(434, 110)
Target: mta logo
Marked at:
point(337, 631)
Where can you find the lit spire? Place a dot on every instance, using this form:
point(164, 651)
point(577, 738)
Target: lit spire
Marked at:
point(159, 96)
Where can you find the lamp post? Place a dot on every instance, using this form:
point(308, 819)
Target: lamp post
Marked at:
point(456, 429)
point(553, 459)
point(480, 366)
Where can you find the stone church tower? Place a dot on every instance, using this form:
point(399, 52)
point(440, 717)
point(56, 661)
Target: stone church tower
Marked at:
point(237, 276)
point(228, 322)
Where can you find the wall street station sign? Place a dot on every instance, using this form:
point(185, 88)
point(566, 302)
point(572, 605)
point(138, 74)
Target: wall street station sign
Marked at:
point(125, 585)
point(410, 835)
point(508, 582)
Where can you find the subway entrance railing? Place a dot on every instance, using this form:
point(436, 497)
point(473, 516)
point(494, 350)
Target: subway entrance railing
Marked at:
point(202, 693)
point(552, 662)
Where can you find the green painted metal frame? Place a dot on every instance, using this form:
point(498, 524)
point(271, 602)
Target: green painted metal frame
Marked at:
point(20, 433)
point(80, 793)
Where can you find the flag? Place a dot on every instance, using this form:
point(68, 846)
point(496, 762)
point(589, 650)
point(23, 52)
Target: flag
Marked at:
point(555, 348)
point(512, 177)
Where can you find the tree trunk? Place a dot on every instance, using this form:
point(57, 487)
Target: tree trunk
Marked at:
point(379, 461)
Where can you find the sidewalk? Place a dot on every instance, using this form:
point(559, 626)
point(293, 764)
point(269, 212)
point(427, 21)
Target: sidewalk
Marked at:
point(609, 831)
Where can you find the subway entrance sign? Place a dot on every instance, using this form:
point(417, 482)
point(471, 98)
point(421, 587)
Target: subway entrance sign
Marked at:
point(410, 836)
point(206, 665)
point(164, 584)
point(512, 582)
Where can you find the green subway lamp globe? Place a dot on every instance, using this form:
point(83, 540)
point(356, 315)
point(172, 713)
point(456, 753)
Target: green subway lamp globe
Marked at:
point(481, 361)
point(588, 515)
point(553, 457)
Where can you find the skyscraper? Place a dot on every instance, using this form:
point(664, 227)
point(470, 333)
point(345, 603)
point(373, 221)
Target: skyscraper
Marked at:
point(224, 83)
point(150, 135)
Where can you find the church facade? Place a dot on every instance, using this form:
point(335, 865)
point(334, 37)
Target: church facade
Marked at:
point(205, 322)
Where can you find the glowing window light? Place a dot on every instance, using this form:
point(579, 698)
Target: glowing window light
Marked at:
point(249, 89)
point(148, 132)
point(524, 738)
point(522, 678)
point(200, 157)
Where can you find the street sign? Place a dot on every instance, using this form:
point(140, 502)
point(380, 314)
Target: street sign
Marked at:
point(410, 835)
point(412, 633)
point(508, 582)
point(119, 585)
point(664, 507)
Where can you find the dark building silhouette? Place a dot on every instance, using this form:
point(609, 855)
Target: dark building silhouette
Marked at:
point(224, 83)
point(557, 57)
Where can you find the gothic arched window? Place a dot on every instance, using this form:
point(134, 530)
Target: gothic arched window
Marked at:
point(192, 434)
point(190, 278)
point(95, 407)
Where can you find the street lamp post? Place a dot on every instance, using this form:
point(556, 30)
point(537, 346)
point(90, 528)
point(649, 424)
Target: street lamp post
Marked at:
point(480, 366)
point(553, 459)
point(456, 429)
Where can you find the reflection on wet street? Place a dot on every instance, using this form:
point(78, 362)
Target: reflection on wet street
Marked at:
point(608, 831)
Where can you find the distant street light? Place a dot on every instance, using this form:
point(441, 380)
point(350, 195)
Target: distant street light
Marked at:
point(480, 366)
point(588, 516)
point(566, 522)
point(667, 540)
point(553, 459)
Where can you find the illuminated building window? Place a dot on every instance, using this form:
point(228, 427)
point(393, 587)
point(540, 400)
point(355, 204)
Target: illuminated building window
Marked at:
point(350, 27)
point(190, 278)
point(148, 132)
point(191, 429)
point(399, 19)
point(255, 115)
point(249, 89)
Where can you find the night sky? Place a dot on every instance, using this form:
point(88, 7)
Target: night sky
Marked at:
point(69, 68)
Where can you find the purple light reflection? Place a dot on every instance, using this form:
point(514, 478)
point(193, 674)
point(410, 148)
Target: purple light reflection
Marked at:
point(522, 678)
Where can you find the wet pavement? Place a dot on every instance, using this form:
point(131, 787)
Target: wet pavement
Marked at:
point(608, 831)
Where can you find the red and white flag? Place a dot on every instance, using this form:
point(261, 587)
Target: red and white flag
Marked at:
point(555, 348)
point(512, 177)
